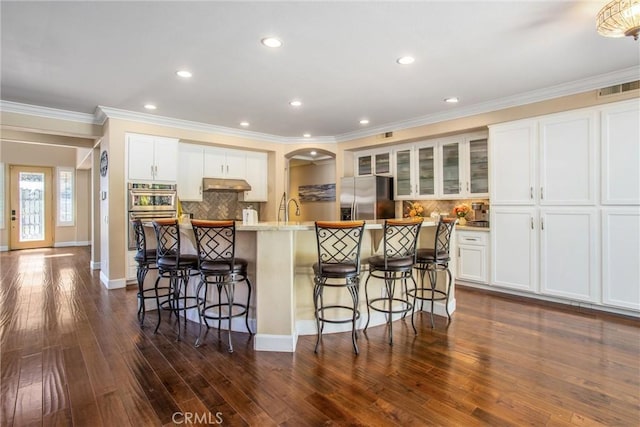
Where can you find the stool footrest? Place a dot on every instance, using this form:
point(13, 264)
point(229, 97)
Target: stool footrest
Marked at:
point(334, 307)
point(408, 308)
point(223, 316)
point(437, 295)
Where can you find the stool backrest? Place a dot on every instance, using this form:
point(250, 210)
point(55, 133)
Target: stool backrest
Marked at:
point(141, 240)
point(339, 242)
point(215, 240)
point(168, 237)
point(443, 235)
point(401, 238)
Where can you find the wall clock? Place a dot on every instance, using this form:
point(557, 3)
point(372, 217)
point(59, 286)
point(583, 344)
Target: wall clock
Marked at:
point(104, 163)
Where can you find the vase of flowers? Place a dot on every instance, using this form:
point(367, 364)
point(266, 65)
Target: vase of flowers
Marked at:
point(461, 212)
point(414, 209)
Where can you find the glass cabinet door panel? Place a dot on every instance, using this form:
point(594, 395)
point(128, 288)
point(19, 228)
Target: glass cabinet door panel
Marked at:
point(403, 173)
point(451, 168)
point(478, 166)
point(383, 165)
point(426, 171)
point(364, 165)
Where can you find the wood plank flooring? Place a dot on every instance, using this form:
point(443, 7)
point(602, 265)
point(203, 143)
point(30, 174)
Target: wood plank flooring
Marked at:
point(72, 353)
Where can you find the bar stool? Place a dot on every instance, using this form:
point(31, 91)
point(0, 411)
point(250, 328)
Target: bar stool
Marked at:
point(338, 258)
point(395, 264)
point(175, 266)
point(218, 265)
point(146, 259)
point(432, 260)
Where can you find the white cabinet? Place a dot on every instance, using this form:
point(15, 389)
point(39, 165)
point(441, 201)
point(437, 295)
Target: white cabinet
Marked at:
point(620, 158)
point(224, 163)
point(404, 188)
point(190, 172)
point(152, 158)
point(569, 266)
point(472, 256)
point(514, 248)
point(257, 177)
point(620, 249)
point(376, 162)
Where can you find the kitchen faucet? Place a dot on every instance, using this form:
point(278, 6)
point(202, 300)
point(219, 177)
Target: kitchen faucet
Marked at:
point(284, 206)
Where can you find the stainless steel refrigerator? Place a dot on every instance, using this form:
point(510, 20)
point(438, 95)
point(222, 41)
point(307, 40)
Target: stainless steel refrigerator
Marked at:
point(366, 197)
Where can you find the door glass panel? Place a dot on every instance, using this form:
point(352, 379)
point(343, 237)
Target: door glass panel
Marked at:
point(479, 166)
point(426, 168)
point(31, 199)
point(450, 169)
point(403, 173)
point(382, 163)
point(364, 165)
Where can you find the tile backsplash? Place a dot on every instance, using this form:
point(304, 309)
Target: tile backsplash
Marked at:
point(218, 205)
point(440, 206)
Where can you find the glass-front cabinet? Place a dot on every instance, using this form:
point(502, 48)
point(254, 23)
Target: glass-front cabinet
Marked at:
point(403, 181)
point(427, 170)
point(478, 167)
point(373, 163)
point(451, 183)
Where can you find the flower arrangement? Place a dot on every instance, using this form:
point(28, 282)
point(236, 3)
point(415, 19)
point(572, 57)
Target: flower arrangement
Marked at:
point(414, 209)
point(461, 211)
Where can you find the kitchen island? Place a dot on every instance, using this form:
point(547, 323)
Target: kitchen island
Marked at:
point(280, 258)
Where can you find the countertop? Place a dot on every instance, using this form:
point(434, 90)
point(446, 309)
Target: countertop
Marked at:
point(300, 225)
point(470, 228)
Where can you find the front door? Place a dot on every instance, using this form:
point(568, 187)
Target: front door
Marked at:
point(31, 213)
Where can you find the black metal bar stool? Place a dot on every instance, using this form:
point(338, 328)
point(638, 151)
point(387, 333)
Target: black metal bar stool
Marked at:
point(395, 264)
point(146, 259)
point(175, 266)
point(218, 265)
point(432, 260)
point(338, 258)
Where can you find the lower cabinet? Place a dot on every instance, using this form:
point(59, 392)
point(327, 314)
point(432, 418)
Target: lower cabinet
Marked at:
point(472, 256)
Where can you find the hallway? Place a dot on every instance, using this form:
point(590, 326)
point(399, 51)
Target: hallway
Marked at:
point(72, 353)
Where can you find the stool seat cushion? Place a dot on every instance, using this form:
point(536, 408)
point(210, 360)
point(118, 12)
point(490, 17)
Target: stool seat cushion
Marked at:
point(222, 267)
point(428, 255)
point(393, 264)
point(170, 262)
point(336, 270)
point(148, 256)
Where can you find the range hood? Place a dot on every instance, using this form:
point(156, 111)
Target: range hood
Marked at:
point(222, 184)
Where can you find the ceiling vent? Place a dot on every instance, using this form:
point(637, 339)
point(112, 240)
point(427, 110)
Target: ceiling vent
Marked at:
point(619, 89)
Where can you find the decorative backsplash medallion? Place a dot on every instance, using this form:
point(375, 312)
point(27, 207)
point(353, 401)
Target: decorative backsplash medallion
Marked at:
point(218, 205)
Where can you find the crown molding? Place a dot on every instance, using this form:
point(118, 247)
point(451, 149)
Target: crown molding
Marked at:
point(114, 113)
point(46, 112)
point(565, 89)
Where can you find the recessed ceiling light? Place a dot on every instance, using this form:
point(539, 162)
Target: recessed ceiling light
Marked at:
point(184, 74)
point(271, 42)
point(245, 124)
point(452, 100)
point(405, 60)
point(150, 106)
point(307, 135)
point(313, 153)
point(364, 121)
point(295, 103)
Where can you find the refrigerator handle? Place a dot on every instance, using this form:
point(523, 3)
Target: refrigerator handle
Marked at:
point(353, 211)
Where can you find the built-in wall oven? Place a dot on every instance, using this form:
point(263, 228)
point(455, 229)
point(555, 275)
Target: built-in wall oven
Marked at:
point(148, 202)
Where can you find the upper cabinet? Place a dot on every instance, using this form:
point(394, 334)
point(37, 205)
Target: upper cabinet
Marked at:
point(620, 158)
point(152, 158)
point(190, 172)
point(448, 168)
point(224, 163)
point(376, 162)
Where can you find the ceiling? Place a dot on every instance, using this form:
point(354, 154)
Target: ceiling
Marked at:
point(338, 58)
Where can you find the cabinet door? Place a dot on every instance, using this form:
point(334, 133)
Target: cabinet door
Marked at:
point(472, 263)
point(364, 166)
point(382, 163)
point(620, 249)
point(512, 172)
point(451, 157)
point(236, 164)
point(165, 155)
point(214, 163)
point(403, 182)
point(513, 248)
point(567, 159)
point(568, 261)
point(256, 177)
point(427, 170)
point(621, 154)
point(190, 168)
point(140, 157)
point(478, 171)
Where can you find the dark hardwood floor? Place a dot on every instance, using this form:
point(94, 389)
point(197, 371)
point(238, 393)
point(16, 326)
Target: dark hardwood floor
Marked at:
point(72, 353)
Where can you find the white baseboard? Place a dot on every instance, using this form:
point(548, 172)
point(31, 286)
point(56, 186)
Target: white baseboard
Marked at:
point(94, 265)
point(4, 248)
point(112, 284)
point(70, 244)
point(268, 342)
